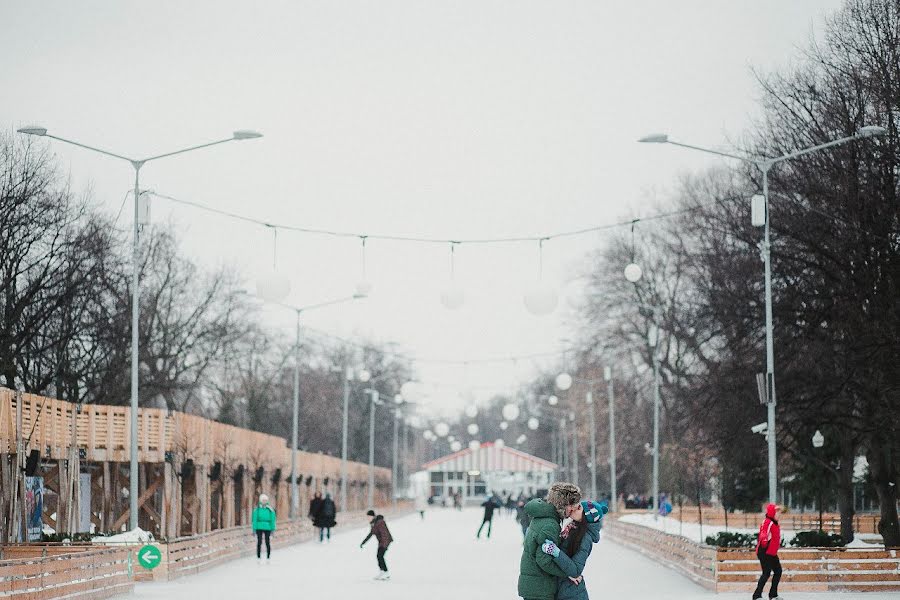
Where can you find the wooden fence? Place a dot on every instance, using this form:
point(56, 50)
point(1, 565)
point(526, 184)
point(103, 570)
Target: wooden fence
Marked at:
point(831, 522)
point(737, 570)
point(90, 574)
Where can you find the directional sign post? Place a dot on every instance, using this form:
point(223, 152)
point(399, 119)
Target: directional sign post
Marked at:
point(149, 557)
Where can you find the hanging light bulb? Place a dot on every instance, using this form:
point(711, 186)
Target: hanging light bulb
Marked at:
point(533, 424)
point(271, 285)
point(499, 443)
point(541, 299)
point(453, 296)
point(472, 429)
point(441, 429)
point(456, 446)
point(521, 439)
point(451, 438)
point(633, 271)
point(510, 412)
point(552, 400)
point(471, 411)
point(364, 287)
point(563, 381)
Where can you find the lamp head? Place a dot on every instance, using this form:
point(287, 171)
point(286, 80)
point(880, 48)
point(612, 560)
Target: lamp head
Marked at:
point(33, 130)
point(871, 131)
point(655, 138)
point(359, 296)
point(246, 134)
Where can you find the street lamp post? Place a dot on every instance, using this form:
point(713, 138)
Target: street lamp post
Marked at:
point(765, 164)
point(373, 401)
point(135, 289)
point(613, 502)
point(590, 401)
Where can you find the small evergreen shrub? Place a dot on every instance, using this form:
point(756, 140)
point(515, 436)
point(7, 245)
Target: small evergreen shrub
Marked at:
point(730, 539)
point(817, 539)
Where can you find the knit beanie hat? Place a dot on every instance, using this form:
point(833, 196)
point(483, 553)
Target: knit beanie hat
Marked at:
point(370, 512)
point(771, 509)
point(562, 495)
point(263, 499)
point(593, 511)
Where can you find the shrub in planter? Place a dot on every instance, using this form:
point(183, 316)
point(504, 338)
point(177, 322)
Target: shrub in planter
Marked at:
point(731, 539)
point(817, 539)
point(77, 538)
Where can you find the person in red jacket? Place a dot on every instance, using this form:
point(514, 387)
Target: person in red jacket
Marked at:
point(767, 546)
point(379, 529)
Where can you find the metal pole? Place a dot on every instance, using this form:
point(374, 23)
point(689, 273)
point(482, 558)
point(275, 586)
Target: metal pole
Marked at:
point(295, 496)
point(613, 500)
point(135, 314)
point(374, 399)
point(574, 453)
point(394, 463)
point(344, 440)
point(404, 476)
point(770, 344)
point(655, 502)
point(564, 446)
point(590, 401)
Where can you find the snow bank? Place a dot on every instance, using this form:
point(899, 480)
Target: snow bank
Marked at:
point(135, 536)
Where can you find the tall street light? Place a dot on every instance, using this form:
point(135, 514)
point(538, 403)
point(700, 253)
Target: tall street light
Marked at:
point(295, 421)
point(136, 164)
point(347, 374)
point(613, 502)
point(373, 401)
point(765, 164)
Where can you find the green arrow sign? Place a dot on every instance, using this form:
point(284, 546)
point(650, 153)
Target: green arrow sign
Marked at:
point(149, 557)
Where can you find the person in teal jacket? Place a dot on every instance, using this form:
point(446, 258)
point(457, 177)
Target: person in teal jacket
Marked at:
point(537, 570)
point(577, 541)
point(263, 525)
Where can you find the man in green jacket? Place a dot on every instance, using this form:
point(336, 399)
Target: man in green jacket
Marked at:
point(537, 570)
point(263, 525)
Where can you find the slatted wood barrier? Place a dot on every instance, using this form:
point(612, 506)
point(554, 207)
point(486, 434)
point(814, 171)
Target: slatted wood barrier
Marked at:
point(90, 574)
point(737, 570)
point(831, 522)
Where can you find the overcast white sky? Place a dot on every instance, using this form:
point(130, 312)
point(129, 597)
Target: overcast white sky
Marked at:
point(426, 118)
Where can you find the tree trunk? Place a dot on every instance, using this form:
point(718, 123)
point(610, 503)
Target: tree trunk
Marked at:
point(882, 477)
point(845, 491)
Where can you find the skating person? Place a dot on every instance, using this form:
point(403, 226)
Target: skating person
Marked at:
point(421, 505)
point(538, 571)
point(379, 529)
point(489, 507)
point(577, 540)
point(263, 526)
point(767, 545)
point(324, 518)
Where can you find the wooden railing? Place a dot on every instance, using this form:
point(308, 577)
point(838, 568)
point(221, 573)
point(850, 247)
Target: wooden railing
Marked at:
point(90, 574)
point(831, 522)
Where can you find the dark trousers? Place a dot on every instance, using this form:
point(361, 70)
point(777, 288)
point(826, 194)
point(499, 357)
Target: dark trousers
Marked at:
point(323, 532)
point(769, 564)
point(381, 564)
point(488, 521)
point(259, 540)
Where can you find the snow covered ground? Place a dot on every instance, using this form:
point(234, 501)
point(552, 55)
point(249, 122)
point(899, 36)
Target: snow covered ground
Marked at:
point(435, 559)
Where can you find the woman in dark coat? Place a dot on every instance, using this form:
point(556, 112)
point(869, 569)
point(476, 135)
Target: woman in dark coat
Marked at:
point(324, 518)
point(577, 540)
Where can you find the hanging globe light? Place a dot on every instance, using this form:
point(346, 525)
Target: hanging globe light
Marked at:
point(499, 443)
point(511, 412)
point(455, 446)
point(364, 376)
point(472, 429)
point(633, 272)
point(471, 411)
point(451, 438)
point(453, 297)
point(504, 425)
point(563, 381)
point(533, 423)
point(273, 287)
point(474, 445)
point(552, 400)
point(521, 439)
point(398, 399)
point(441, 429)
point(541, 300)
point(427, 434)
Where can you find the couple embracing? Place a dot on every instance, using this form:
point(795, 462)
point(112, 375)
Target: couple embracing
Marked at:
point(553, 556)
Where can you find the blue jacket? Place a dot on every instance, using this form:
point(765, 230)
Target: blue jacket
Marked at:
point(574, 566)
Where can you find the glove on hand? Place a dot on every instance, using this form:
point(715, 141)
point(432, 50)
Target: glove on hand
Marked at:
point(550, 548)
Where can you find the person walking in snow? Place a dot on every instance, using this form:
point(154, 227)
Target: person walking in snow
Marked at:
point(263, 526)
point(577, 539)
point(314, 505)
point(421, 505)
point(379, 529)
point(538, 571)
point(489, 506)
point(767, 545)
point(324, 518)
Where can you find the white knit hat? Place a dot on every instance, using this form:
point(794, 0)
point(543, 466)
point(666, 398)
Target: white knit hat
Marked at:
point(263, 499)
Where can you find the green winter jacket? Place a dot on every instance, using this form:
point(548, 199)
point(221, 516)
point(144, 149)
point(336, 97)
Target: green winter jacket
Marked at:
point(537, 570)
point(263, 518)
point(574, 565)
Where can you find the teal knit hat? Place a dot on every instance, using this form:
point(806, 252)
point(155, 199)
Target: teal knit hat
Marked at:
point(593, 511)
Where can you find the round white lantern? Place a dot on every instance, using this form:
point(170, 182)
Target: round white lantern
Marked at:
point(441, 429)
point(563, 381)
point(504, 425)
point(427, 434)
point(472, 429)
point(533, 423)
point(511, 412)
point(471, 411)
point(541, 300)
point(474, 445)
point(633, 273)
point(552, 400)
point(521, 439)
point(273, 287)
point(453, 297)
point(499, 442)
point(398, 399)
point(455, 446)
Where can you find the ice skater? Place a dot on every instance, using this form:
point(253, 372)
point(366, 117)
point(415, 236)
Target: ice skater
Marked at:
point(379, 529)
point(489, 507)
point(263, 526)
point(324, 518)
point(538, 571)
point(577, 539)
point(767, 545)
point(421, 505)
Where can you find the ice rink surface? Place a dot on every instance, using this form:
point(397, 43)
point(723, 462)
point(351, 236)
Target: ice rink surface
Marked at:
point(434, 559)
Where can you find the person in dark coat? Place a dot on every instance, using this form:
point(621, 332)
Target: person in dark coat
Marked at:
point(576, 542)
point(379, 529)
point(324, 518)
point(489, 507)
point(314, 505)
